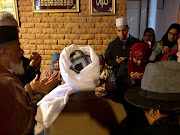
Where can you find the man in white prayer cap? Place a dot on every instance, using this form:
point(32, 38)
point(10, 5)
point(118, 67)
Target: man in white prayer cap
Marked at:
point(117, 55)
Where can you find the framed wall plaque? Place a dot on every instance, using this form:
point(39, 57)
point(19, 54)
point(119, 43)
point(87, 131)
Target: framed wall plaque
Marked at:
point(56, 5)
point(10, 6)
point(102, 7)
point(160, 4)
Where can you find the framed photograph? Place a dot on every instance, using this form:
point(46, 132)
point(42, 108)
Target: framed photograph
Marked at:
point(10, 6)
point(56, 5)
point(102, 7)
point(160, 4)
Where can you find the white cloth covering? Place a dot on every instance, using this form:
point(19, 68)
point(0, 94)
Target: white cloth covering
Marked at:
point(53, 103)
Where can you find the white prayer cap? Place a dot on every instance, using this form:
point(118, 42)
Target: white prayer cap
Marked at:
point(121, 21)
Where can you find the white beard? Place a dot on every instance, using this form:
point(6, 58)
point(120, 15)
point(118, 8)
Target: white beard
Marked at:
point(17, 68)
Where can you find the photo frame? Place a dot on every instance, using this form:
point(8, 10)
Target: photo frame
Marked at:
point(10, 6)
point(55, 6)
point(160, 4)
point(102, 7)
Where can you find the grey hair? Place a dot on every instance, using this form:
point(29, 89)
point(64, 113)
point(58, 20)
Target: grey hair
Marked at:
point(6, 15)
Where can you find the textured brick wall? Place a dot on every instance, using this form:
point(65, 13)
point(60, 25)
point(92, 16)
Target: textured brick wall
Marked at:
point(48, 33)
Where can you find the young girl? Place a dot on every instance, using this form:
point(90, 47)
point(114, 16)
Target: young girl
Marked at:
point(137, 62)
point(106, 83)
point(53, 69)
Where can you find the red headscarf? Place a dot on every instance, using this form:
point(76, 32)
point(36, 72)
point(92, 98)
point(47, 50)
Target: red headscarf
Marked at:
point(138, 50)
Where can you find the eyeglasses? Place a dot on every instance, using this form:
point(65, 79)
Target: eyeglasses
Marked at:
point(173, 34)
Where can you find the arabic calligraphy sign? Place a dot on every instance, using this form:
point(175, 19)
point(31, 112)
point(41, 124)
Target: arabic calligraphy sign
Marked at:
point(102, 7)
point(56, 5)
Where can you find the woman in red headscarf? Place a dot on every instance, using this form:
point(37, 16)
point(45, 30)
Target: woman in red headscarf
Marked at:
point(137, 61)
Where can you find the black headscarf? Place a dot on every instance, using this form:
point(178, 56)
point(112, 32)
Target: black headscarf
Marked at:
point(165, 40)
point(153, 35)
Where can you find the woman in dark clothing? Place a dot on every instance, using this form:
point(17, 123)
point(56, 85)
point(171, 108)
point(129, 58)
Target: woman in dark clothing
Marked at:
point(149, 37)
point(173, 52)
point(166, 44)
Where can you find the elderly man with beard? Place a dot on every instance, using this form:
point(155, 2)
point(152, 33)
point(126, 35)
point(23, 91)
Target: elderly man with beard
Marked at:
point(18, 108)
point(32, 65)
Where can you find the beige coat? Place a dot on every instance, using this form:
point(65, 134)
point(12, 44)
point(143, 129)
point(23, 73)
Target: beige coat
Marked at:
point(17, 111)
point(48, 72)
point(84, 114)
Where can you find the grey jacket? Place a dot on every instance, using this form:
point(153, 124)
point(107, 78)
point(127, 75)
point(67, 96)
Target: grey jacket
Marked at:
point(157, 49)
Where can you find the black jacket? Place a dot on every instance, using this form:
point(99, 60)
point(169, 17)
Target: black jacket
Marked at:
point(30, 72)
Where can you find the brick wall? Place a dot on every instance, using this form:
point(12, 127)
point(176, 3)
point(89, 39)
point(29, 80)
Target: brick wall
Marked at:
point(49, 33)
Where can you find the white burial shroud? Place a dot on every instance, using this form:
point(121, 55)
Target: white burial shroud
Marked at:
point(53, 103)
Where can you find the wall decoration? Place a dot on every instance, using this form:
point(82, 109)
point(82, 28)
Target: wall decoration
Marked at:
point(160, 4)
point(10, 6)
point(56, 5)
point(102, 7)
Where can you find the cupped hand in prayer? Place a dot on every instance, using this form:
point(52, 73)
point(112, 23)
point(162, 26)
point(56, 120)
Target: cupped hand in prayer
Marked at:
point(120, 59)
point(136, 75)
point(35, 60)
point(45, 85)
point(100, 91)
point(165, 49)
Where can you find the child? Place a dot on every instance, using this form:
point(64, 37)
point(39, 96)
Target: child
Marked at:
point(53, 69)
point(137, 62)
point(107, 81)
